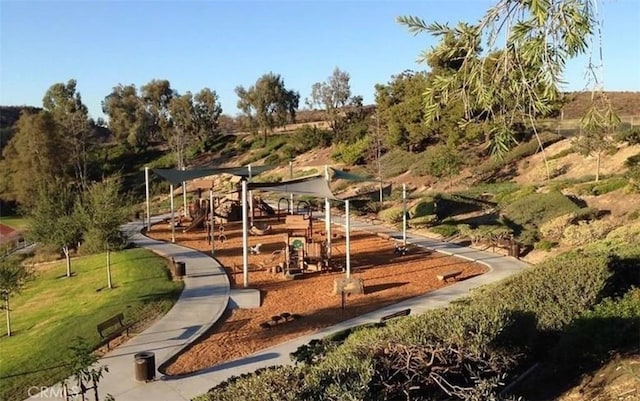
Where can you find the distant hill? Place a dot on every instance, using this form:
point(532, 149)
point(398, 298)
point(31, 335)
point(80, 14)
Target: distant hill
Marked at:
point(625, 103)
point(10, 114)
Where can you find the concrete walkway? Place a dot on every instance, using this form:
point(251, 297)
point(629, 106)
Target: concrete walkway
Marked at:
point(201, 304)
point(203, 300)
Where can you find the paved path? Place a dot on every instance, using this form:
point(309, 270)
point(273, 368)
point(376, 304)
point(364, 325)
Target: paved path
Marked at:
point(202, 302)
point(197, 306)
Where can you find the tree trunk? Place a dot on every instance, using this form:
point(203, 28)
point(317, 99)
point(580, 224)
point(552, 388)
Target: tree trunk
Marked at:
point(67, 256)
point(597, 167)
point(6, 304)
point(109, 268)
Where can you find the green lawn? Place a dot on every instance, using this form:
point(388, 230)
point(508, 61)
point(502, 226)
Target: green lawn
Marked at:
point(52, 310)
point(15, 222)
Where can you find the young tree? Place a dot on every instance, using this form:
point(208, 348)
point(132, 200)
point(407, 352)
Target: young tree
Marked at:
point(54, 220)
point(103, 211)
point(85, 371)
point(65, 105)
point(529, 41)
point(597, 127)
point(13, 277)
point(183, 127)
point(332, 96)
point(268, 104)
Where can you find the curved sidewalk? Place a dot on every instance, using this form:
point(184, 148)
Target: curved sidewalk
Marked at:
point(203, 300)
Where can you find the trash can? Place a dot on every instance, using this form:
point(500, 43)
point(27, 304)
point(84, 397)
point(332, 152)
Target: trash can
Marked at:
point(180, 269)
point(515, 250)
point(145, 366)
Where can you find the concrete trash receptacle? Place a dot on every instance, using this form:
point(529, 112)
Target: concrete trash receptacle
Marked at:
point(180, 269)
point(145, 366)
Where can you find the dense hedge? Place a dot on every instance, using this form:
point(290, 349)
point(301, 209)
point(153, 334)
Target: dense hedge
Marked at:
point(471, 344)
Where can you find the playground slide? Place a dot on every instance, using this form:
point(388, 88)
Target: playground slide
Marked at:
point(265, 207)
point(195, 223)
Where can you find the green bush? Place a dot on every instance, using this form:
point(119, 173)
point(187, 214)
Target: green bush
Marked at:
point(630, 136)
point(391, 215)
point(613, 325)
point(585, 232)
point(544, 245)
point(275, 383)
point(354, 153)
point(537, 208)
point(396, 162)
point(423, 221)
point(602, 187)
point(424, 207)
point(308, 137)
point(562, 153)
point(446, 230)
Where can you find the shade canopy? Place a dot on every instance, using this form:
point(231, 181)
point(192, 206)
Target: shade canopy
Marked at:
point(176, 177)
point(316, 186)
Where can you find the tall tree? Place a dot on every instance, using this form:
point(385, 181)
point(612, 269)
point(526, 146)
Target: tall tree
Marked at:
point(332, 96)
point(183, 129)
point(103, 211)
point(129, 121)
point(53, 218)
point(157, 95)
point(401, 110)
point(13, 277)
point(268, 104)
point(65, 105)
point(207, 111)
point(531, 41)
point(35, 154)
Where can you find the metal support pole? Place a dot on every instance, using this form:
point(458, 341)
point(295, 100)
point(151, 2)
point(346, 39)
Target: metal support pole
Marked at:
point(184, 198)
point(173, 223)
point(146, 187)
point(404, 214)
point(245, 237)
point(348, 245)
point(291, 194)
point(211, 223)
point(250, 198)
point(327, 215)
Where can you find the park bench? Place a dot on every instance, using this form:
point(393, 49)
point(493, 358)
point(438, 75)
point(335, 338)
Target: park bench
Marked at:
point(452, 274)
point(112, 328)
point(400, 313)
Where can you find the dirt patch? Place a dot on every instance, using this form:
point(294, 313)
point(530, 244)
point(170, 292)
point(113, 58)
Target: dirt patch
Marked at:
point(388, 278)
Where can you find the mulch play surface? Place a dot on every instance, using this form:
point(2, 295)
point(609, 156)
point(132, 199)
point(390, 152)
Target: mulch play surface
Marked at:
point(388, 279)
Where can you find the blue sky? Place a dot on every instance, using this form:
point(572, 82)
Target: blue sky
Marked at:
point(222, 44)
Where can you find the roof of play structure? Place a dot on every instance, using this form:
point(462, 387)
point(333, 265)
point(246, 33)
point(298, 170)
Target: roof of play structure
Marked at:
point(315, 185)
point(176, 177)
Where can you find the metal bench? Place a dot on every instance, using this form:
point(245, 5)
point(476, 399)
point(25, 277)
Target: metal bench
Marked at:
point(113, 328)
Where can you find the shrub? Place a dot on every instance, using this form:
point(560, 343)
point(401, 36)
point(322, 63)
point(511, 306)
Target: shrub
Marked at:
point(585, 232)
point(352, 154)
point(562, 153)
point(308, 137)
point(391, 215)
point(275, 383)
point(424, 207)
point(396, 162)
point(553, 229)
point(602, 187)
point(423, 221)
point(612, 325)
point(544, 245)
point(630, 136)
point(538, 208)
point(446, 230)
